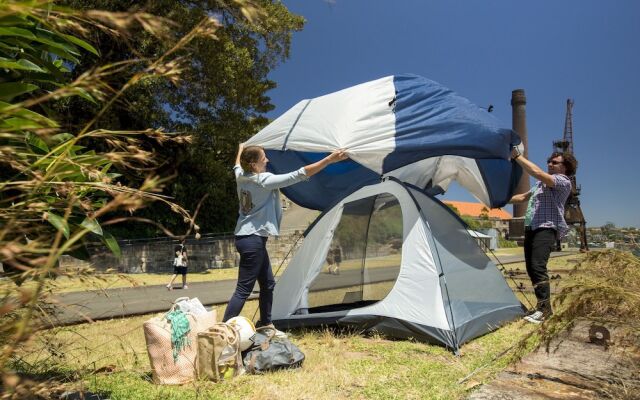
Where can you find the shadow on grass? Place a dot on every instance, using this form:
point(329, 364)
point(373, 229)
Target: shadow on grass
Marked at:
point(85, 396)
point(338, 331)
point(59, 383)
point(146, 376)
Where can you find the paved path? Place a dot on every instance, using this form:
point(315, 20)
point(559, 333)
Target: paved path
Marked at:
point(77, 307)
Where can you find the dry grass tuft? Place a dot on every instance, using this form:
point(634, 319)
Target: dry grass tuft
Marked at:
point(604, 288)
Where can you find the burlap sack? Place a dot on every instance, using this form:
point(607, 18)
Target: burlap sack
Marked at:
point(219, 355)
point(157, 333)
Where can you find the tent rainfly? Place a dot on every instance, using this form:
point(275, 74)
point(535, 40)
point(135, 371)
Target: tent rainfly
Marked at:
point(404, 126)
point(408, 268)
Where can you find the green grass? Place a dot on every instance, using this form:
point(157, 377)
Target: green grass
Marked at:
point(508, 251)
point(337, 365)
point(110, 357)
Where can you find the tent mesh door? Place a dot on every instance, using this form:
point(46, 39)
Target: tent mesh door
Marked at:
point(363, 260)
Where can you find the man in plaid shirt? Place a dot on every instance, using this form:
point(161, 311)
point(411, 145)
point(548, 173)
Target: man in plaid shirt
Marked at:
point(544, 221)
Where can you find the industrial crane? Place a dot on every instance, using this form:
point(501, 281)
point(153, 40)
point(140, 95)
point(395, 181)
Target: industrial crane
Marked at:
point(572, 212)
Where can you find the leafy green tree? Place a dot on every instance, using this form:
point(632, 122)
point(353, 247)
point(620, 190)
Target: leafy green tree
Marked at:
point(220, 101)
point(474, 223)
point(484, 213)
point(609, 229)
point(62, 181)
point(504, 243)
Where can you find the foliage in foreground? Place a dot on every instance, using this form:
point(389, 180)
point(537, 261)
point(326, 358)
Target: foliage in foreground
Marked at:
point(604, 288)
point(59, 181)
point(221, 98)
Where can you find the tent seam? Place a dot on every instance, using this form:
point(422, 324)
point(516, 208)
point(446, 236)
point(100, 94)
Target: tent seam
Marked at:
point(286, 139)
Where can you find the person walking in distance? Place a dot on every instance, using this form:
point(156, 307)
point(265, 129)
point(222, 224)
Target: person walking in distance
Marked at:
point(179, 266)
point(334, 258)
point(259, 217)
point(544, 221)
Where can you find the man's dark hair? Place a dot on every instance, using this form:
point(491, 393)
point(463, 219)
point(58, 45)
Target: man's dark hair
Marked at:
point(568, 160)
point(179, 248)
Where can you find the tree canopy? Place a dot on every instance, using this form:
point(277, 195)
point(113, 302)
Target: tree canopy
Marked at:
point(220, 100)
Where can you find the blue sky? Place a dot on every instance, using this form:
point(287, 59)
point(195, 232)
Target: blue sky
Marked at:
point(583, 49)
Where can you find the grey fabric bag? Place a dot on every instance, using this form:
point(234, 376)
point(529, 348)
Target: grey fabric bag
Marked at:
point(269, 353)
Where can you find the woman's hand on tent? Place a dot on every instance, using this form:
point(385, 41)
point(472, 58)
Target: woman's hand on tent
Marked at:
point(337, 156)
point(334, 157)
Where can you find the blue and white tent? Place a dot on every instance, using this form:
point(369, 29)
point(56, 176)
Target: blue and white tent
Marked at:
point(404, 126)
point(408, 268)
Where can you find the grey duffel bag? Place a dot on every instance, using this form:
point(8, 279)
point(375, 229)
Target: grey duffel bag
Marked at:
point(270, 353)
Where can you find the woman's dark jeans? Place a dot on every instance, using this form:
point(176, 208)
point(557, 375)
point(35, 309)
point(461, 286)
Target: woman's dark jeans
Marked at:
point(537, 248)
point(254, 265)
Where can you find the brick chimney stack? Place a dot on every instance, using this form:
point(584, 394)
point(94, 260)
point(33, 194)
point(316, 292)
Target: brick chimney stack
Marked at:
point(519, 125)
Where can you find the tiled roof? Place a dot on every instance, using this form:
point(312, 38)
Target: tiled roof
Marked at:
point(475, 209)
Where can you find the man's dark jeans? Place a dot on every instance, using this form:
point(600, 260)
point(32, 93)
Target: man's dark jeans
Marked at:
point(254, 265)
point(537, 248)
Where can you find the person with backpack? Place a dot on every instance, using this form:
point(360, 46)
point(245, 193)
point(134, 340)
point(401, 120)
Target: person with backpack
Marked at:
point(259, 217)
point(179, 266)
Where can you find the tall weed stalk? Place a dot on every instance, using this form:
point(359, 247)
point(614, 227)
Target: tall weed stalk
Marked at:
point(59, 185)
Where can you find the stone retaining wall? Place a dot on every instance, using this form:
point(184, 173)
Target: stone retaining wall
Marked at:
point(156, 255)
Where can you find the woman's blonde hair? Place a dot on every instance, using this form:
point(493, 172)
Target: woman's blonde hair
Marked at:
point(250, 155)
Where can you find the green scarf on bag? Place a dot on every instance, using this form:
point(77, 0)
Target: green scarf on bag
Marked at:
point(179, 329)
